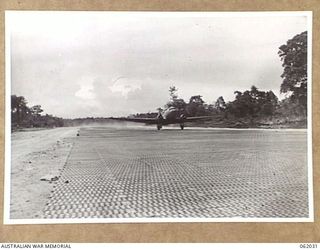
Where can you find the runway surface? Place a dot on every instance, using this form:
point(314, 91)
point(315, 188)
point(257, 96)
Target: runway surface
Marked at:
point(138, 173)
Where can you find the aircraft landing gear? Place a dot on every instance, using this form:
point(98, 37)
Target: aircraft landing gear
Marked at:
point(159, 126)
point(182, 126)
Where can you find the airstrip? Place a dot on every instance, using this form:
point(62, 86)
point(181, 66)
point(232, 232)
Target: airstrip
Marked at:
point(195, 173)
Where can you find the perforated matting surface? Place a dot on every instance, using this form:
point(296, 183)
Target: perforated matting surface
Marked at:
point(191, 173)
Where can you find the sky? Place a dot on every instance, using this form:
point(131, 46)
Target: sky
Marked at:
point(101, 64)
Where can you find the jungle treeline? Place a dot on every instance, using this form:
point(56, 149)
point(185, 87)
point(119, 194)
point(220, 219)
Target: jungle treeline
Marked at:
point(253, 107)
point(250, 108)
point(23, 116)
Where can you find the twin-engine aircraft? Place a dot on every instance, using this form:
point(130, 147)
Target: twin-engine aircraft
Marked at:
point(169, 116)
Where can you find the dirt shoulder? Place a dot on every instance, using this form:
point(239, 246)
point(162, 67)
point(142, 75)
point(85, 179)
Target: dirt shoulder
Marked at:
point(36, 155)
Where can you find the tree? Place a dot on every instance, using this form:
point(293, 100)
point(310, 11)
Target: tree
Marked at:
point(253, 103)
point(19, 110)
point(220, 104)
point(242, 106)
point(23, 116)
point(293, 55)
point(36, 110)
point(196, 106)
point(269, 103)
point(173, 93)
point(175, 102)
point(36, 120)
point(196, 99)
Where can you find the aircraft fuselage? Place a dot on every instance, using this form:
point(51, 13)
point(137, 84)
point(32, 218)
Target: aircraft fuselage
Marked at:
point(170, 116)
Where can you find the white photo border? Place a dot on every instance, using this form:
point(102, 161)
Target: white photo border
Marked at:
point(7, 168)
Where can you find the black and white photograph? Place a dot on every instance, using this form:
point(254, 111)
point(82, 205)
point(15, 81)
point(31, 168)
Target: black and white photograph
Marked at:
point(128, 116)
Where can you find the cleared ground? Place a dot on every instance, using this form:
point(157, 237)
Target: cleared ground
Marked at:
point(192, 173)
point(36, 154)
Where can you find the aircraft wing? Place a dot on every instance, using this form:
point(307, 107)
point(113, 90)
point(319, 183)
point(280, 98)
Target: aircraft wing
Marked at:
point(197, 118)
point(141, 120)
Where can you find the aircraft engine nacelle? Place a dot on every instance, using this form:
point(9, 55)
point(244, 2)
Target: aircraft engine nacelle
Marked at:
point(171, 113)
